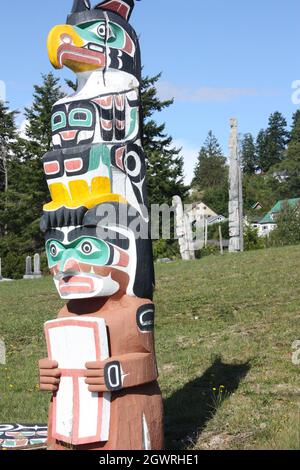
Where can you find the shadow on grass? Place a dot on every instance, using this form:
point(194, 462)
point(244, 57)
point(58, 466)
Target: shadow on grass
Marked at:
point(189, 409)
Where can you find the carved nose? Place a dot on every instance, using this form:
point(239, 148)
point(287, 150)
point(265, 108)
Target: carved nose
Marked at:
point(71, 265)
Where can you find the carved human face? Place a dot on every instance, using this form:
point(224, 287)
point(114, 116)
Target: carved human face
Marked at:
point(84, 266)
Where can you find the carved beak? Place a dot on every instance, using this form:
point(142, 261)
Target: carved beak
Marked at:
point(66, 47)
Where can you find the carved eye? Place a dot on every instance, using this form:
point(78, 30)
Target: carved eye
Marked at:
point(87, 248)
point(102, 31)
point(53, 250)
point(105, 32)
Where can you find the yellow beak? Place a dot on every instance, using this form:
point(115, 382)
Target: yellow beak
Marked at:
point(58, 37)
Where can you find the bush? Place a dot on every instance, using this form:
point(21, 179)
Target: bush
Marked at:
point(207, 251)
point(166, 249)
point(213, 231)
point(251, 239)
point(287, 231)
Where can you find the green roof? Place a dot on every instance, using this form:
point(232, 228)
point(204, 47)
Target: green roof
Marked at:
point(268, 218)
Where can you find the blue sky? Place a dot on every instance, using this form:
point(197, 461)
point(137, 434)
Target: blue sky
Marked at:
point(220, 59)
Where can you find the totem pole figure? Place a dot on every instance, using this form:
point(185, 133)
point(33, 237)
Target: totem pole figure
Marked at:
point(184, 231)
point(101, 365)
point(236, 242)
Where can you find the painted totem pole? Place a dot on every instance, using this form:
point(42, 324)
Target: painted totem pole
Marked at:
point(101, 365)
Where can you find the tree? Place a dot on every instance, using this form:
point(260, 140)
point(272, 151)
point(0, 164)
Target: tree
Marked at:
point(249, 156)
point(164, 164)
point(287, 231)
point(21, 210)
point(210, 170)
point(38, 115)
point(8, 133)
point(273, 142)
point(289, 169)
point(261, 150)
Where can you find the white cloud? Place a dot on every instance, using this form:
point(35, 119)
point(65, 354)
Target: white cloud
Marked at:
point(168, 90)
point(190, 155)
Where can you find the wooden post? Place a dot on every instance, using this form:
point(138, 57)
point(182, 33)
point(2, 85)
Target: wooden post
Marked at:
point(221, 240)
point(235, 193)
point(206, 233)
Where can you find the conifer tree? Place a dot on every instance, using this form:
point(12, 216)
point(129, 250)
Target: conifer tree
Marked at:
point(164, 164)
point(275, 139)
point(210, 170)
point(249, 158)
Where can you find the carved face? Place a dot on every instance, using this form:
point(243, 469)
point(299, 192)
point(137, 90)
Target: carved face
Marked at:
point(107, 42)
point(84, 266)
point(111, 118)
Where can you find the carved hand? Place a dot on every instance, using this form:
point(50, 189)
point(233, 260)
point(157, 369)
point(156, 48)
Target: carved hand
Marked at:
point(49, 375)
point(103, 376)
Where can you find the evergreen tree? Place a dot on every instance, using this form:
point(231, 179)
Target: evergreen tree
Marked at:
point(8, 133)
point(164, 163)
point(38, 115)
point(289, 169)
point(261, 150)
point(249, 160)
point(210, 170)
point(21, 211)
point(276, 139)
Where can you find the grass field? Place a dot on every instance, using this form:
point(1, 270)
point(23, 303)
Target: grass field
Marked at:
point(224, 333)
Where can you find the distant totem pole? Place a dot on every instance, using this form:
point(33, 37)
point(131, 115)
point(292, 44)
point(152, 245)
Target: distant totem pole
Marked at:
point(101, 365)
point(236, 242)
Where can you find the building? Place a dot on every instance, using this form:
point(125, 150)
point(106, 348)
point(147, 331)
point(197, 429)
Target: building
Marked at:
point(217, 219)
point(200, 209)
point(268, 223)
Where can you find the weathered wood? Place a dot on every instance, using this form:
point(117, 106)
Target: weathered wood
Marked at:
point(235, 193)
point(221, 240)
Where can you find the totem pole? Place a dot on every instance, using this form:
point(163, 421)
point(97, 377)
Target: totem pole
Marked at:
point(101, 366)
point(236, 242)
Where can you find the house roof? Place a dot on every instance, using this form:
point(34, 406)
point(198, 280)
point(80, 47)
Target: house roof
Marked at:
point(269, 219)
point(211, 220)
point(257, 204)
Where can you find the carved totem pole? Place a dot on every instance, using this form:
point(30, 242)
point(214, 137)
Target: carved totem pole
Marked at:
point(236, 242)
point(101, 365)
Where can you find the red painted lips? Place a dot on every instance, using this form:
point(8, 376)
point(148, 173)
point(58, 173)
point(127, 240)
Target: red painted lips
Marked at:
point(76, 285)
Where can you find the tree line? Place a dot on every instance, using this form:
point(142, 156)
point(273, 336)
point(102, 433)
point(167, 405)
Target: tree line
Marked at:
point(270, 164)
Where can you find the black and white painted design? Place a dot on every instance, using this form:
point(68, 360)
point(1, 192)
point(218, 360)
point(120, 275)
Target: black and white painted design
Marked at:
point(13, 436)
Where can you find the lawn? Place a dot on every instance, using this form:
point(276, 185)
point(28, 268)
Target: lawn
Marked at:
point(224, 333)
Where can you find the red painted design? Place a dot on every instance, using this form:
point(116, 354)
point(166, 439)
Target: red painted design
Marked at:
point(129, 46)
point(120, 125)
point(76, 285)
point(68, 135)
point(77, 54)
point(73, 165)
point(124, 259)
point(107, 125)
point(51, 168)
point(120, 102)
point(105, 102)
point(117, 6)
point(119, 157)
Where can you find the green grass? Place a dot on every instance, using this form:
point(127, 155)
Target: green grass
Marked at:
point(224, 330)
